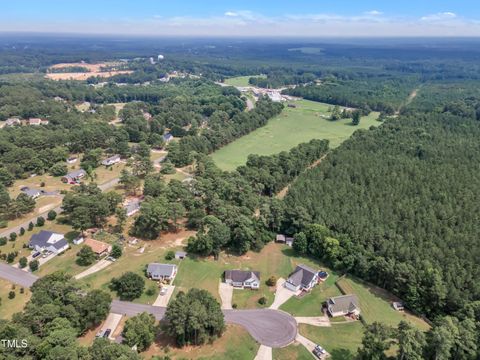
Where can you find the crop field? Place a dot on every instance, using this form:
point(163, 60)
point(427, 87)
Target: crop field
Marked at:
point(309, 120)
point(240, 80)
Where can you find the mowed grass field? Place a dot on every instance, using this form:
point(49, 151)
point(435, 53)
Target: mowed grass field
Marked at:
point(241, 80)
point(309, 120)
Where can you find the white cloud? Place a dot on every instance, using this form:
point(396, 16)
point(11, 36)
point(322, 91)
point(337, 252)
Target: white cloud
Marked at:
point(373, 13)
point(442, 16)
point(231, 14)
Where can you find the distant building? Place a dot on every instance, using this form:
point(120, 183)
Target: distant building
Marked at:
point(132, 207)
point(48, 241)
point(289, 241)
point(397, 305)
point(160, 57)
point(111, 160)
point(74, 177)
point(34, 121)
point(243, 279)
point(72, 160)
point(80, 239)
point(343, 305)
point(13, 122)
point(180, 255)
point(280, 238)
point(99, 247)
point(303, 278)
point(167, 137)
point(33, 193)
point(158, 271)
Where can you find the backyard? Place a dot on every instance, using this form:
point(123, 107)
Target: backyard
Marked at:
point(308, 120)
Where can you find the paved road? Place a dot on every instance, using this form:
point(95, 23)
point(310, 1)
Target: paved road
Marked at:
point(17, 276)
point(271, 328)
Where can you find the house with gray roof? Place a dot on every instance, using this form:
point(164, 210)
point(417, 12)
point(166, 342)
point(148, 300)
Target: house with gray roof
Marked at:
point(74, 176)
point(343, 305)
point(180, 255)
point(132, 207)
point(33, 193)
point(111, 160)
point(303, 278)
point(243, 279)
point(158, 271)
point(48, 241)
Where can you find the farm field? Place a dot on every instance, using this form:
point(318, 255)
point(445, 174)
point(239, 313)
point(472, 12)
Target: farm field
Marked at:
point(340, 340)
point(375, 304)
point(236, 344)
point(240, 80)
point(309, 120)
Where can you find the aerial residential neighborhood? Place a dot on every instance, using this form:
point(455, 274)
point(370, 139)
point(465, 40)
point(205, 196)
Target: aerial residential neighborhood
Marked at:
point(249, 180)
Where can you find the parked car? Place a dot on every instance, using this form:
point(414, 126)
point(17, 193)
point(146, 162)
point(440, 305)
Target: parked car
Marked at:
point(318, 351)
point(107, 332)
point(36, 254)
point(99, 334)
point(111, 258)
point(163, 290)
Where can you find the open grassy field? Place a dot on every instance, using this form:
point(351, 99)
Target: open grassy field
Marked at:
point(295, 351)
point(236, 344)
point(309, 120)
point(240, 80)
point(8, 307)
point(340, 340)
point(375, 304)
point(248, 299)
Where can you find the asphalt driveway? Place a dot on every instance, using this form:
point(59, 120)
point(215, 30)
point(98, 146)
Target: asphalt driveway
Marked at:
point(17, 276)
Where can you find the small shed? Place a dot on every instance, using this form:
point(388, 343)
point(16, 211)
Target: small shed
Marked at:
point(78, 240)
point(289, 241)
point(180, 255)
point(397, 305)
point(281, 238)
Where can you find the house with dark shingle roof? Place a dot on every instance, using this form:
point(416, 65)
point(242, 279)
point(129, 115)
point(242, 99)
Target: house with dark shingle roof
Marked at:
point(158, 271)
point(111, 160)
point(303, 278)
point(48, 241)
point(74, 176)
point(243, 279)
point(343, 305)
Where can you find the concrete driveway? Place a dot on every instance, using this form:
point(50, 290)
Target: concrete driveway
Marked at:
point(162, 300)
point(226, 294)
point(102, 264)
point(264, 353)
point(41, 260)
point(282, 294)
point(132, 309)
point(310, 345)
point(322, 321)
point(111, 323)
point(17, 276)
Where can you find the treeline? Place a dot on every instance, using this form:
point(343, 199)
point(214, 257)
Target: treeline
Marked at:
point(221, 129)
point(57, 313)
point(277, 79)
point(385, 95)
point(402, 201)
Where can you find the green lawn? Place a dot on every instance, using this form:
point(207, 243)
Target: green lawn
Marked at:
point(248, 299)
point(294, 351)
point(340, 340)
point(309, 120)
point(375, 304)
point(8, 307)
point(240, 80)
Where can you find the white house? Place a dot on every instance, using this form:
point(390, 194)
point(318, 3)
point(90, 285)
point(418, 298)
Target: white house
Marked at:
point(243, 279)
point(303, 278)
point(48, 241)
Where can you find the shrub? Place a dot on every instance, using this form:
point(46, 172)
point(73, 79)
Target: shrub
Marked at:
point(23, 262)
point(30, 226)
point(52, 214)
point(234, 306)
point(262, 300)
point(116, 251)
point(11, 257)
point(3, 241)
point(40, 221)
point(271, 281)
point(3, 223)
point(86, 256)
point(22, 231)
point(13, 236)
point(170, 255)
point(150, 291)
point(11, 295)
point(22, 290)
point(42, 184)
point(33, 265)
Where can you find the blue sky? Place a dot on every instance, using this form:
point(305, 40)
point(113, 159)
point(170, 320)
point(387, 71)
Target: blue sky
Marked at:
point(246, 17)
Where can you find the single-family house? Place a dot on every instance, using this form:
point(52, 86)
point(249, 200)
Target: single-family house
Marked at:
point(132, 207)
point(72, 160)
point(33, 193)
point(243, 279)
point(48, 241)
point(167, 137)
point(158, 271)
point(343, 305)
point(180, 255)
point(99, 247)
point(303, 278)
point(74, 176)
point(12, 122)
point(111, 160)
point(34, 121)
point(280, 238)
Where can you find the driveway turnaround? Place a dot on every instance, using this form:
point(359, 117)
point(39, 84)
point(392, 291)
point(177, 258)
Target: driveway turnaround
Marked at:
point(17, 276)
point(264, 353)
point(102, 264)
point(272, 328)
point(282, 294)
point(322, 321)
point(226, 294)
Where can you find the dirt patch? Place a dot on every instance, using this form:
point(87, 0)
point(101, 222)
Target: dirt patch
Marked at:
point(104, 70)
